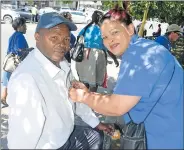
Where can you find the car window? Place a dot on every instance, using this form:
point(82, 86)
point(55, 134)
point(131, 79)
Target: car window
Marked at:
point(77, 13)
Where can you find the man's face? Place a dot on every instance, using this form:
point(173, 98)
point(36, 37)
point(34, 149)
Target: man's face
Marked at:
point(54, 42)
point(174, 36)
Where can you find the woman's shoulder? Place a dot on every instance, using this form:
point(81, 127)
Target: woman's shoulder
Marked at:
point(149, 53)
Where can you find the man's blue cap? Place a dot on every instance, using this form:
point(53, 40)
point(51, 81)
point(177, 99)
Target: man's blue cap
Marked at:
point(52, 19)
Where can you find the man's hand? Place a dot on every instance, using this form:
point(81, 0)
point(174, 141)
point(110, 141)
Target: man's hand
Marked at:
point(108, 129)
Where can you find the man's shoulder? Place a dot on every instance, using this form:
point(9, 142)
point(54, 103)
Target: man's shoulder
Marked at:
point(28, 66)
point(161, 38)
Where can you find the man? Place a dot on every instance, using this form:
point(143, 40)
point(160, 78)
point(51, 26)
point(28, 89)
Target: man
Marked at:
point(34, 12)
point(41, 114)
point(172, 34)
point(158, 33)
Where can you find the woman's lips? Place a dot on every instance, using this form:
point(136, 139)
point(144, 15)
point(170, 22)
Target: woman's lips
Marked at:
point(114, 46)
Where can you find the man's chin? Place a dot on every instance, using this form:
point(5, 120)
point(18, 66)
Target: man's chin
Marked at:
point(58, 59)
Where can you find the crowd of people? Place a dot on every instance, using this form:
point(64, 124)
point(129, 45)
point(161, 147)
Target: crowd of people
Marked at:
point(45, 99)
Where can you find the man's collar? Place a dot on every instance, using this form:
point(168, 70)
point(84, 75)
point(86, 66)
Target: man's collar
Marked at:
point(49, 66)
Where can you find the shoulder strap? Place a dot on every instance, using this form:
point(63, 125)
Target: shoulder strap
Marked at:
point(158, 98)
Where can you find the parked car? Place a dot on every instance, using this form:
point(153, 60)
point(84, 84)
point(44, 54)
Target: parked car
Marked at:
point(65, 9)
point(9, 6)
point(78, 17)
point(46, 10)
point(26, 13)
point(8, 15)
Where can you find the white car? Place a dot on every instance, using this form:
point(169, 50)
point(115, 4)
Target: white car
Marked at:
point(65, 9)
point(8, 15)
point(46, 10)
point(78, 17)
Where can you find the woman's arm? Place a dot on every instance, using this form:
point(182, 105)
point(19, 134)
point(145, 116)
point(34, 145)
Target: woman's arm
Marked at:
point(111, 105)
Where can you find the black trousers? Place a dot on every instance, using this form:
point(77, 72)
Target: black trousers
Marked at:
point(33, 19)
point(84, 137)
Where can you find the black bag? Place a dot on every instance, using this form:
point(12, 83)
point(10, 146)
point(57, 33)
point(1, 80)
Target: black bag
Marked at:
point(134, 135)
point(77, 52)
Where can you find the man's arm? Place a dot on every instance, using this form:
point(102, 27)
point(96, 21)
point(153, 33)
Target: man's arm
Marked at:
point(86, 114)
point(26, 118)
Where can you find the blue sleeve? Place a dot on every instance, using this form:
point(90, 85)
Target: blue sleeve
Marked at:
point(81, 32)
point(161, 40)
point(140, 70)
point(21, 42)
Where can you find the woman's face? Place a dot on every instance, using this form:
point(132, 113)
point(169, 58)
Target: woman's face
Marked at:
point(116, 36)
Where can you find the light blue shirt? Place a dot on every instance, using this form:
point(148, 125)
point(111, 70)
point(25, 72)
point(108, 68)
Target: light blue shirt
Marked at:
point(145, 71)
point(92, 37)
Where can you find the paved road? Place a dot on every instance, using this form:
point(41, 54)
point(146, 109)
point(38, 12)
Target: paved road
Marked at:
point(6, 31)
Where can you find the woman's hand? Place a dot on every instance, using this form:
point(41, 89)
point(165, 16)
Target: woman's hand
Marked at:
point(79, 85)
point(77, 91)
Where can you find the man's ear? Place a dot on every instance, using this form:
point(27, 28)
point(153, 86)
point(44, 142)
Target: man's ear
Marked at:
point(37, 37)
point(131, 29)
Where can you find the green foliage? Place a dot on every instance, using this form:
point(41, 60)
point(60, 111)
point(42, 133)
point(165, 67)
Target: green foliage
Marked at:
point(170, 12)
point(30, 2)
point(165, 11)
point(67, 2)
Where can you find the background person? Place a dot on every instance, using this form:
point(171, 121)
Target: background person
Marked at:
point(16, 42)
point(34, 12)
point(172, 34)
point(158, 33)
point(92, 69)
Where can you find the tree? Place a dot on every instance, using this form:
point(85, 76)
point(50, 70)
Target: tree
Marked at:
point(163, 10)
point(147, 5)
point(67, 2)
point(30, 2)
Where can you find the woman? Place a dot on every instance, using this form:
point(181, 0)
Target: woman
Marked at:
point(92, 69)
point(148, 75)
point(16, 43)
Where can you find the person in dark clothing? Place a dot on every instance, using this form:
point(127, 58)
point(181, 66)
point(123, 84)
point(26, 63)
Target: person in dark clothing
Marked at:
point(16, 42)
point(158, 33)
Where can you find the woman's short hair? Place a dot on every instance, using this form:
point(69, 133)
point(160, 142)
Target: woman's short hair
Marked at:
point(18, 22)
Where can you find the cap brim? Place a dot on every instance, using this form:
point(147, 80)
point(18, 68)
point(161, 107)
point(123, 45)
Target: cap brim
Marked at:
point(71, 26)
